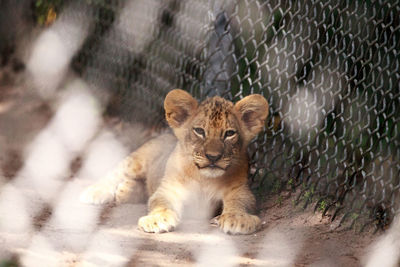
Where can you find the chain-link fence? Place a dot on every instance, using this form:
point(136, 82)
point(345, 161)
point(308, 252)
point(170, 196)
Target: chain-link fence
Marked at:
point(329, 69)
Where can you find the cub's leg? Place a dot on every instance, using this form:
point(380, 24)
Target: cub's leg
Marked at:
point(131, 177)
point(165, 207)
point(125, 181)
point(235, 217)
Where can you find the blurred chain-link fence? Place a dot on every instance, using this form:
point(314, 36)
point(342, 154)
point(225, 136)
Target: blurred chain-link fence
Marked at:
point(329, 69)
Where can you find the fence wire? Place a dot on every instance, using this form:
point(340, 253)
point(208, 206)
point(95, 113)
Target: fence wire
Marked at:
point(329, 69)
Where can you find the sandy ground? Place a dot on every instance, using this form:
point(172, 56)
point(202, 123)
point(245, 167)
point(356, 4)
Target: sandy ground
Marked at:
point(290, 237)
point(44, 225)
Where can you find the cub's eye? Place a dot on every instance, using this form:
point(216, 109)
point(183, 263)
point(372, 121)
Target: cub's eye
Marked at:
point(229, 133)
point(199, 131)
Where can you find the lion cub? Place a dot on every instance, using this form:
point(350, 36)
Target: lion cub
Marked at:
point(208, 152)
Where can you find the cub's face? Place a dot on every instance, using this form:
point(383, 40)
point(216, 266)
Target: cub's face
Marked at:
point(213, 137)
point(215, 133)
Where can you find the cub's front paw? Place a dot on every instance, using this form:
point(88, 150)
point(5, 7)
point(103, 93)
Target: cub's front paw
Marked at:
point(237, 223)
point(97, 194)
point(158, 222)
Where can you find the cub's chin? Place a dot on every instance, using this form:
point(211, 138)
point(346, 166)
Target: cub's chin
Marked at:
point(212, 172)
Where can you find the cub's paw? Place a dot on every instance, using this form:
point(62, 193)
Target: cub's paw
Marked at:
point(158, 222)
point(97, 194)
point(237, 223)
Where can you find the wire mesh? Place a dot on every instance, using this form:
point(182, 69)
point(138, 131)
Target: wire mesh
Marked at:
point(329, 69)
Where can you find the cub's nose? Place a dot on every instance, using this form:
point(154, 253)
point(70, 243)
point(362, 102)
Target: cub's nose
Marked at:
point(213, 157)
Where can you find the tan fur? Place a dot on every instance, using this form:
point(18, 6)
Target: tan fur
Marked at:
point(206, 152)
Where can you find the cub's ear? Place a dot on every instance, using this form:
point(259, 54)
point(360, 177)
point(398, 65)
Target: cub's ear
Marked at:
point(178, 105)
point(252, 111)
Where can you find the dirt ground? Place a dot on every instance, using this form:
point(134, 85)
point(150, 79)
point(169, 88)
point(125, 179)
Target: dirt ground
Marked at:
point(42, 227)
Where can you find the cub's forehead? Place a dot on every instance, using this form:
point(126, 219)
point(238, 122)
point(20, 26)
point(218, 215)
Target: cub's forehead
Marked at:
point(217, 111)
